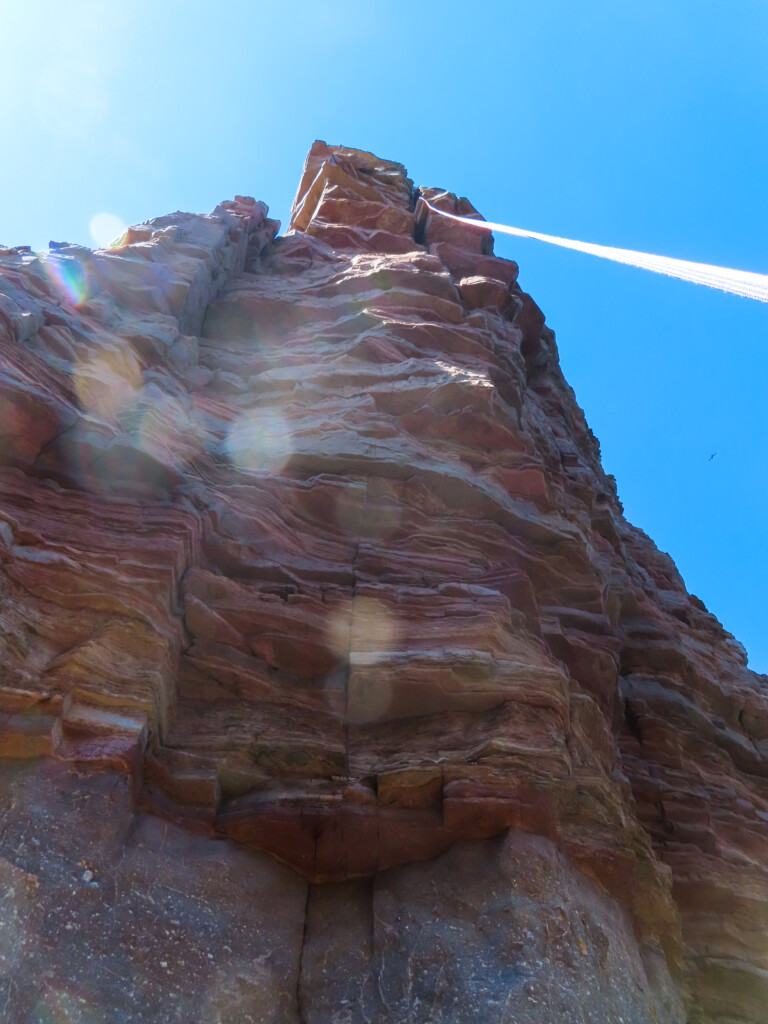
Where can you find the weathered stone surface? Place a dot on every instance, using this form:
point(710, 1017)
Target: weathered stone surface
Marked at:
point(501, 930)
point(109, 914)
point(307, 539)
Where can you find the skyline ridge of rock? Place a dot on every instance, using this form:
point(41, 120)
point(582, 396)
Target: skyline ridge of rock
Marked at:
point(308, 554)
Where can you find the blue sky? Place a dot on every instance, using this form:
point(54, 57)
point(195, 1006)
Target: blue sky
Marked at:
point(642, 125)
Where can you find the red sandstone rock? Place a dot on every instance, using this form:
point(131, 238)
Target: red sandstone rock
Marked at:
point(307, 538)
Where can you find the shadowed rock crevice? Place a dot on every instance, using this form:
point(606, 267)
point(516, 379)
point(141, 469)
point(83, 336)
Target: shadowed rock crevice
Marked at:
point(308, 540)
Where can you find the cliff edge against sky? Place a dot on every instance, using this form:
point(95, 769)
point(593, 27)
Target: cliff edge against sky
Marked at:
point(335, 685)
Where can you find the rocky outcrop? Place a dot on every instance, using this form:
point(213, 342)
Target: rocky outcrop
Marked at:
point(307, 551)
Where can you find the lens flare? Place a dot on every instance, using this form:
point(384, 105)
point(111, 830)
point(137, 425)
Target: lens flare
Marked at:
point(362, 625)
point(737, 282)
point(364, 632)
point(163, 427)
point(107, 382)
point(67, 275)
point(105, 228)
point(259, 440)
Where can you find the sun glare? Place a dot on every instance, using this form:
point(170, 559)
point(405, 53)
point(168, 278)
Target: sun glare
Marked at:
point(105, 228)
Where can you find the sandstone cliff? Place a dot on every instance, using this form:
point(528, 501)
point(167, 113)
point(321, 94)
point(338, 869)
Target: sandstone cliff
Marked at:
point(335, 687)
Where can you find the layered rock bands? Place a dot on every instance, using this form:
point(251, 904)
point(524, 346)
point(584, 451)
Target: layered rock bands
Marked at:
point(308, 557)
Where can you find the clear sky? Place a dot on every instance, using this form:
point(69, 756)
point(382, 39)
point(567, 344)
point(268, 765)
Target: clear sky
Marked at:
point(640, 123)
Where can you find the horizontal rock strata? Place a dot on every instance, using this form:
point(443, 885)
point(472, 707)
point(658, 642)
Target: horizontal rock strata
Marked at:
point(306, 540)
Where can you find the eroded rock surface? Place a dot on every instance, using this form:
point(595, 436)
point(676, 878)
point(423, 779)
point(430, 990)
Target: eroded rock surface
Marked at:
point(307, 539)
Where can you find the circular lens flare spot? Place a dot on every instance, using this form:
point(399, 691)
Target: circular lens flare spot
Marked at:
point(163, 427)
point(259, 441)
point(105, 228)
point(373, 627)
point(364, 632)
point(363, 626)
point(107, 382)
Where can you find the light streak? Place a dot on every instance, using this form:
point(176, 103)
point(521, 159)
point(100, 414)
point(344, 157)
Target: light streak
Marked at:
point(738, 282)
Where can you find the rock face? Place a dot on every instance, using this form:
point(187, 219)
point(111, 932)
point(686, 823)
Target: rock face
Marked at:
point(308, 557)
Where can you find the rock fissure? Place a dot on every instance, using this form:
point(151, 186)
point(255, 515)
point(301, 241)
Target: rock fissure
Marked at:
point(300, 1008)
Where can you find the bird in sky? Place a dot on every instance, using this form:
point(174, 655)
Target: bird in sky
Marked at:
point(711, 456)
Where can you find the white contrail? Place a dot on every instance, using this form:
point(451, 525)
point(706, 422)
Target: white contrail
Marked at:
point(739, 282)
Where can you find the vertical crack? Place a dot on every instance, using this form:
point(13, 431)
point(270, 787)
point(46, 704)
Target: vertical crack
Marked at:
point(300, 1008)
point(632, 720)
